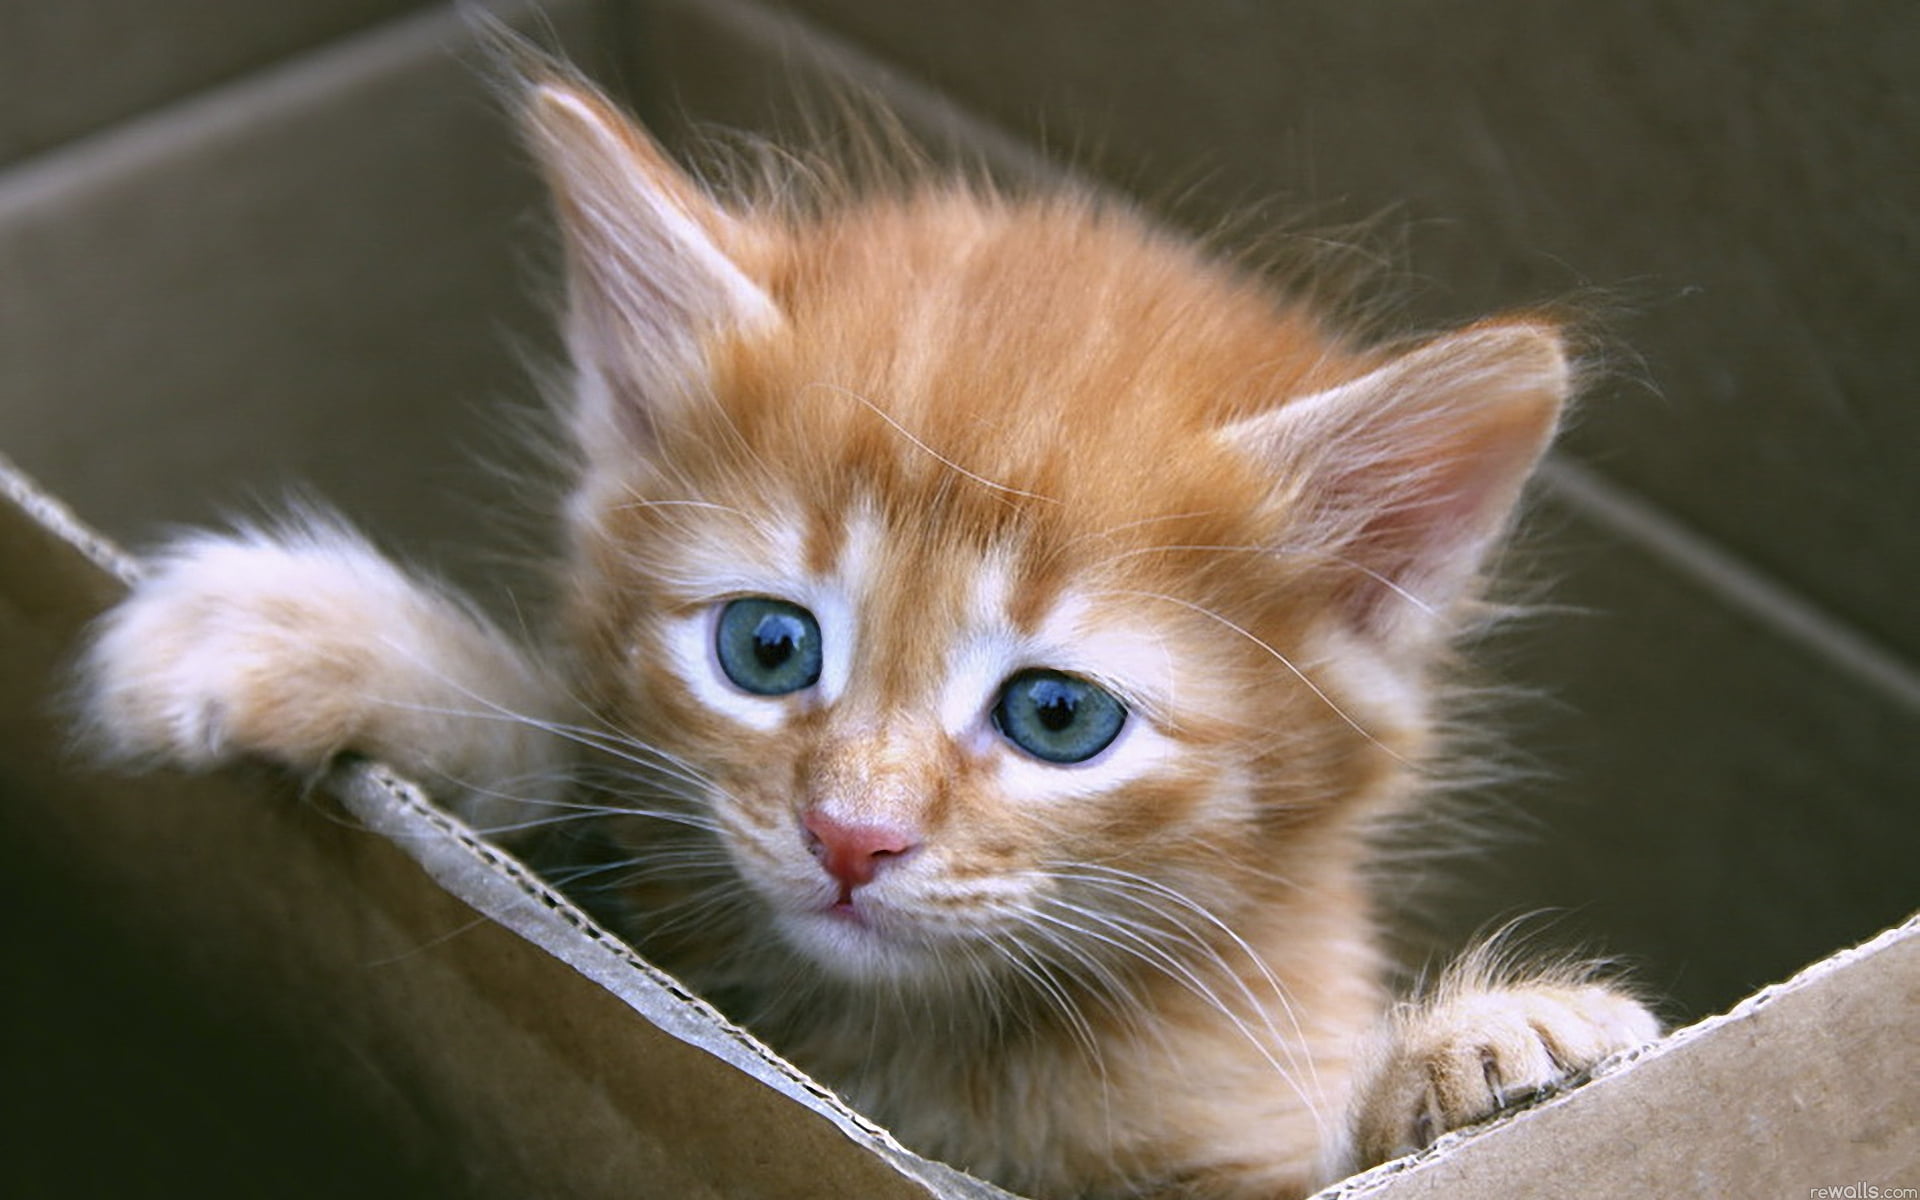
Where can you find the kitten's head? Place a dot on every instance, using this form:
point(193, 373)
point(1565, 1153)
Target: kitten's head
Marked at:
point(989, 569)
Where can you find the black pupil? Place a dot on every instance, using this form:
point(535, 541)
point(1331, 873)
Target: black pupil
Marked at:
point(1055, 706)
point(775, 639)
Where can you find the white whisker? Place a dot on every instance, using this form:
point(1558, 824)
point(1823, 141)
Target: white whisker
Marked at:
point(1282, 659)
point(1120, 883)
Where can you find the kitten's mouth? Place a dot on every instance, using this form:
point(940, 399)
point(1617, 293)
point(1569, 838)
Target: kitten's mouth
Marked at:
point(844, 909)
point(856, 936)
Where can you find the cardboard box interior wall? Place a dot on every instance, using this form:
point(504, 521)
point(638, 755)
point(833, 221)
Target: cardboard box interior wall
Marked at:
point(305, 275)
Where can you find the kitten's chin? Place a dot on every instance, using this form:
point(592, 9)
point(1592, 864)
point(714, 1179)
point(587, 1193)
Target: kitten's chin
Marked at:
point(858, 945)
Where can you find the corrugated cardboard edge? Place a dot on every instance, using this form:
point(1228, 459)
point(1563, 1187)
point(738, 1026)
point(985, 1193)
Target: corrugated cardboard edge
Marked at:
point(1407, 1177)
point(496, 884)
point(58, 520)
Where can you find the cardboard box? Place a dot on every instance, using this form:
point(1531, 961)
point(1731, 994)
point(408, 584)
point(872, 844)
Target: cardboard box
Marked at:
point(530, 1048)
point(429, 1019)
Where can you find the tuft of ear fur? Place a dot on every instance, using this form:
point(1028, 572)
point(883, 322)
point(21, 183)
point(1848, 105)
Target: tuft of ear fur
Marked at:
point(649, 274)
point(1408, 474)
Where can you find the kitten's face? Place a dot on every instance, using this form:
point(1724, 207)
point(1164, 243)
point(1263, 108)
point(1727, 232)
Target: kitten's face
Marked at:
point(1010, 584)
point(950, 588)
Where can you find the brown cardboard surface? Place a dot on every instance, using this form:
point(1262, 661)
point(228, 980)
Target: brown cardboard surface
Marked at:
point(67, 69)
point(745, 66)
point(592, 1078)
point(241, 280)
point(1707, 782)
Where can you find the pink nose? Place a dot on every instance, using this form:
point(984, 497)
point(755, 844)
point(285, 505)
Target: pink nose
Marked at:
point(852, 852)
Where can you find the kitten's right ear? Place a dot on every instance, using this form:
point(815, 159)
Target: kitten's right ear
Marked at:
point(649, 276)
point(1408, 474)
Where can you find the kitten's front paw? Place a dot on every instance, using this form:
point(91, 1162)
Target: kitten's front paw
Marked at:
point(296, 645)
point(239, 646)
point(1469, 1054)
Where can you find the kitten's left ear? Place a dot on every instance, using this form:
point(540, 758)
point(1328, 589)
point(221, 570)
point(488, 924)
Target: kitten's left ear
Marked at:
point(1407, 475)
point(650, 272)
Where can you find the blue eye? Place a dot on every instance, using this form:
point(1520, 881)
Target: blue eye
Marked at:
point(1057, 718)
point(768, 647)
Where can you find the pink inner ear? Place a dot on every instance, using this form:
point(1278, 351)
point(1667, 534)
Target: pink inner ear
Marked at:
point(1438, 507)
point(1407, 474)
point(649, 280)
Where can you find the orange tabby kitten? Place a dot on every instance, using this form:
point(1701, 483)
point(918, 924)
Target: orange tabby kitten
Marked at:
point(995, 628)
